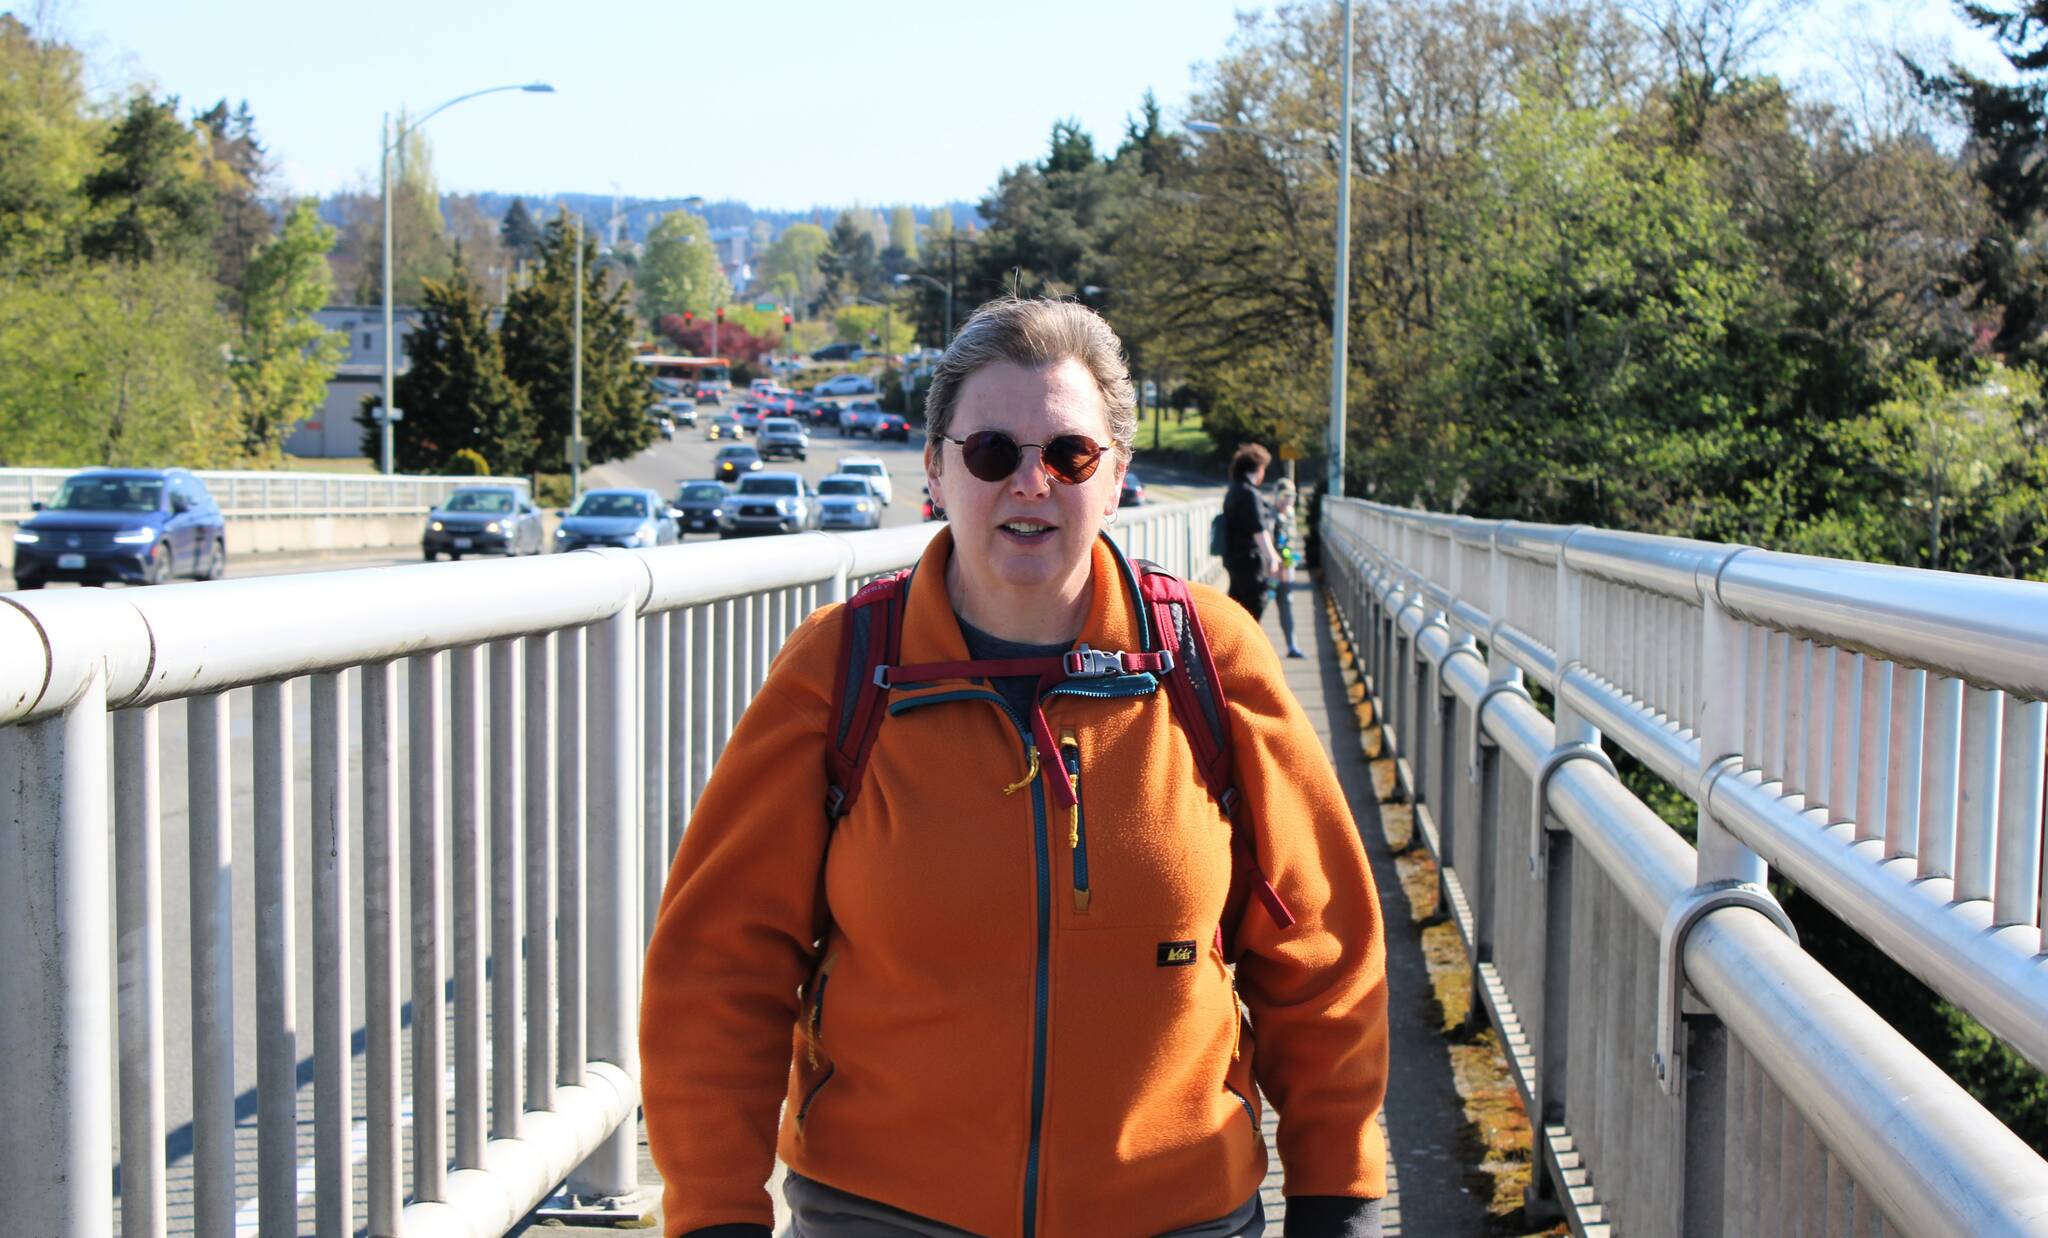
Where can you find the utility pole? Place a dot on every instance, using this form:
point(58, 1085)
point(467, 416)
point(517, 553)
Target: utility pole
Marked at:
point(1340, 324)
point(952, 277)
point(390, 366)
point(576, 376)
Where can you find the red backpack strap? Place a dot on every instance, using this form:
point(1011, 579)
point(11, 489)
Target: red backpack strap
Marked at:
point(1196, 691)
point(870, 635)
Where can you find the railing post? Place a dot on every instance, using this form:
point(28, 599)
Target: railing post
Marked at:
point(56, 1024)
point(612, 1172)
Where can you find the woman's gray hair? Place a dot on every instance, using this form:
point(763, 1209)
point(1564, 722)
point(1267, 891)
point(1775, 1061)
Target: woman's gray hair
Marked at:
point(1035, 334)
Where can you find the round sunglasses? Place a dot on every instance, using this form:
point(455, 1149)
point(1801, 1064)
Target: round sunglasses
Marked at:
point(992, 455)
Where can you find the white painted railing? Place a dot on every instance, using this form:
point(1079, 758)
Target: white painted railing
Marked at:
point(1874, 734)
point(554, 719)
point(247, 494)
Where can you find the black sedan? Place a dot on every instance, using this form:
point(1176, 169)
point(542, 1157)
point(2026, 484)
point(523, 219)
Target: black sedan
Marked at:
point(735, 462)
point(482, 520)
point(702, 504)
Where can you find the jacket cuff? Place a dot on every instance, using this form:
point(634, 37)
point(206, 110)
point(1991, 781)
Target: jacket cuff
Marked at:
point(1332, 1216)
point(744, 1230)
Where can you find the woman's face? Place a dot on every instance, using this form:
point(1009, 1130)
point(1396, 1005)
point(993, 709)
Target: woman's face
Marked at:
point(1027, 531)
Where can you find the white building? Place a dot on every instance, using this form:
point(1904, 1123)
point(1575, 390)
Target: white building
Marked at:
point(332, 432)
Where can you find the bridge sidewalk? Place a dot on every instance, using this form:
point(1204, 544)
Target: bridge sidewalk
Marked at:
point(1428, 1195)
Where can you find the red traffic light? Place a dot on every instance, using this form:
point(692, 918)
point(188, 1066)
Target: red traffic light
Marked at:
point(785, 322)
point(721, 313)
point(689, 316)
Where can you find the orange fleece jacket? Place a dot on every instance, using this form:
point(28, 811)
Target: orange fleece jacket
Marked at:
point(946, 1022)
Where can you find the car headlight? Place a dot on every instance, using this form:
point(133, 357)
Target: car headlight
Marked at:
point(860, 507)
point(23, 537)
point(561, 533)
point(640, 537)
point(135, 537)
point(493, 527)
point(718, 513)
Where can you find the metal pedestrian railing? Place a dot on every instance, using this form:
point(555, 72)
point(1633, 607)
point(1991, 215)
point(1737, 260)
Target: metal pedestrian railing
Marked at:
point(497, 761)
point(249, 494)
point(1874, 734)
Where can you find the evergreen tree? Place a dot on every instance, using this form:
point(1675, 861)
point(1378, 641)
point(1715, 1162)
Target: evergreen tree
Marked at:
point(849, 267)
point(237, 168)
point(519, 233)
point(150, 198)
point(47, 147)
point(455, 392)
point(538, 339)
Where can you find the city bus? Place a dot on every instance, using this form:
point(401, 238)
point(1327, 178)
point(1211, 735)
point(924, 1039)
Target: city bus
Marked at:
point(688, 373)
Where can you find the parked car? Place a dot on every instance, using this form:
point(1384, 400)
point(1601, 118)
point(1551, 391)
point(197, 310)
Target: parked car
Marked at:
point(892, 425)
point(768, 503)
point(849, 501)
point(872, 468)
point(839, 352)
point(135, 526)
point(482, 520)
point(782, 436)
point(617, 517)
point(846, 384)
point(702, 504)
point(1133, 491)
point(735, 462)
point(725, 425)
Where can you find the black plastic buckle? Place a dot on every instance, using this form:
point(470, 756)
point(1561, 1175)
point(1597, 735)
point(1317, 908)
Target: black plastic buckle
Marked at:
point(1085, 663)
point(835, 801)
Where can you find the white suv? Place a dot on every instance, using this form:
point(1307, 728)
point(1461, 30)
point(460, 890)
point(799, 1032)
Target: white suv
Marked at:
point(874, 470)
point(846, 384)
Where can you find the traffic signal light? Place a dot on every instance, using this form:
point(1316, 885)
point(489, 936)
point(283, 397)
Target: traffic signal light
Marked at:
point(785, 322)
point(689, 317)
point(721, 315)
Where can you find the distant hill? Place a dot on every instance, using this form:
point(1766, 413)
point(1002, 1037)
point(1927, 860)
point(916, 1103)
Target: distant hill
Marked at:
point(596, 209)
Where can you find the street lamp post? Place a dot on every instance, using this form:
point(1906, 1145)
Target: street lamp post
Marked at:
point(946, 288)
point(390, 144)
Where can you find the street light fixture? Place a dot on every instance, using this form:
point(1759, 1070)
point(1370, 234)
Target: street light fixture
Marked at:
point(391, 141)
point(946, 288)
point(1340, 311)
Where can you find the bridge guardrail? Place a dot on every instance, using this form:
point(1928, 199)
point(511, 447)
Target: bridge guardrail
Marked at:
point(559, 716)
point(1791, 699)
point(250, 493)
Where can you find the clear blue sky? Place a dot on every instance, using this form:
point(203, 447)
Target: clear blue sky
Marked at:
point(782, 105)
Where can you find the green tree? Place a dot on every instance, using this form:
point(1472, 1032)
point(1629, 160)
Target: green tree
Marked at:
point(849, 267)
point(115, 364)
point(48, 144)
point(791, 263)
point(284, 358)
point(862, 325)
point(419, 235)
point(538, 337)
point(455, 392)
point(237, 167)
point(518, 231)
point(679, 270)
point(903, 233)
point(151, 197)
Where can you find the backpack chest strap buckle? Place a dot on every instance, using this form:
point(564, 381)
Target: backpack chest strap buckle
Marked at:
point(1081, 662)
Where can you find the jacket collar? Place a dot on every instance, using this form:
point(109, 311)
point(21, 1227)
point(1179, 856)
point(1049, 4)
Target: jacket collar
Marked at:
point(931, 632)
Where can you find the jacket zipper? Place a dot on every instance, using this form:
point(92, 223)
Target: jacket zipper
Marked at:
point(818, 1008)
point(1042, 972)
point(1077, 826)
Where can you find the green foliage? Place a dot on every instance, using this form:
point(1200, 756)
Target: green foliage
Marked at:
point(455, 392)
point(284, 358)
point(115, 364)
point(849, 267)
point(679, 270)
point(903, 233)
point(48, 145)
point(790, 265)
point(518, 232)
point(863, 324)
point(539, 337)
point(150, 198)
point(467, 462)
point(552, 490)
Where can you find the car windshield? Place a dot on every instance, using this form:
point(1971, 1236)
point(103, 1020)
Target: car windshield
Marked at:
point(736, 453)
point(615, 505)
point(780, 425)
point(496, 501)
point(110, 494)
point(769, 485)
point(863, 467)
point(843, 485)
point(702, 490)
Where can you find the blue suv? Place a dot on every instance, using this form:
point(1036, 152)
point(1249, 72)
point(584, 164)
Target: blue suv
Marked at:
point(136, 526)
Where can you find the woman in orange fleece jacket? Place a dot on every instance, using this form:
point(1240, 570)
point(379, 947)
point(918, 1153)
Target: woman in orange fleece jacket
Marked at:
point(977, 1011)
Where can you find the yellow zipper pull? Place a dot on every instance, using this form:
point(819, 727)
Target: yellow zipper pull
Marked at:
point(1069, 740)
point(1029, 774)
point(1236, 1013)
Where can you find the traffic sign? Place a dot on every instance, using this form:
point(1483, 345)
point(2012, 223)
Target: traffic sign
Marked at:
point(765, 307)
point(1290, 453)
point(573, 450)
point(397, 414)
